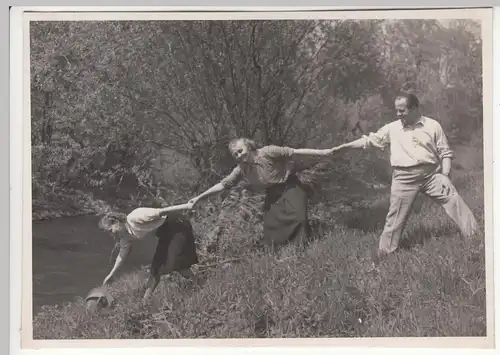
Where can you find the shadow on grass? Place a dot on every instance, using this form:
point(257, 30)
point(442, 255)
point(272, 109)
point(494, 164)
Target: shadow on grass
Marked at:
point(372, 220)
point(366, 219)
point(420, 233)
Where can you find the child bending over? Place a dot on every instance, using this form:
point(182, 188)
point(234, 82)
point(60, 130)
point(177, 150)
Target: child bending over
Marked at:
point(176, 250)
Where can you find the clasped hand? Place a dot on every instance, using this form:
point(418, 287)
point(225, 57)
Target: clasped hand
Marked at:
point(334, 150)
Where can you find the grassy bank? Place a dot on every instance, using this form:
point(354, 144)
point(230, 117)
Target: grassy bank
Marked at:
point(433, 286)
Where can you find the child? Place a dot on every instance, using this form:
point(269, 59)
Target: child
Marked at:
point(176, 250)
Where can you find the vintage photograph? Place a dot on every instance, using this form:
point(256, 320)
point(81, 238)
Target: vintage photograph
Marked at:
point(219, 178)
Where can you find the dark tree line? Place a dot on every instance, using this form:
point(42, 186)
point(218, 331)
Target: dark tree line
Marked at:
point(107, 97)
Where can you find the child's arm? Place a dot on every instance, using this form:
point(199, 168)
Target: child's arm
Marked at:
point(166, 210)
point(144, 215)
point(125, 247)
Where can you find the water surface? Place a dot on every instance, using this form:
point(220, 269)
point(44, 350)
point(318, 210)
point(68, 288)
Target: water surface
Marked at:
point(71, 256)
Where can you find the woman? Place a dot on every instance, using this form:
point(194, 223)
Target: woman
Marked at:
point(271, 168)
point(176, 250)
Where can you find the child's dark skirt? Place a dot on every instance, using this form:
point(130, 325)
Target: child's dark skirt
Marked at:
point(176, 249)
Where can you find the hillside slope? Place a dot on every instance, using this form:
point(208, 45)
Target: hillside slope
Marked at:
point(433, 286)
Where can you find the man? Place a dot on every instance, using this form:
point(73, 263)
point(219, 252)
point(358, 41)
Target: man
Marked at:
point(421, 160)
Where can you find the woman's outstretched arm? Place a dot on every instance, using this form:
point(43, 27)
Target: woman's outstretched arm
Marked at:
point(214, 190)
point(227, 183)
point(313, 152)
point(275, 151)
point(356, 144)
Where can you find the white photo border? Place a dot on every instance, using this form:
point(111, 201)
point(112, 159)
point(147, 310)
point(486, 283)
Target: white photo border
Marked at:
point(20, 199)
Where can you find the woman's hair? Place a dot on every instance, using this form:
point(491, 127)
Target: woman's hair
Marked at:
point(111, 218)
point(250, 144)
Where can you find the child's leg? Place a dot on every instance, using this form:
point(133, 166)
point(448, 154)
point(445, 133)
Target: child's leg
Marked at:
point(157, 264)
point(153, 281)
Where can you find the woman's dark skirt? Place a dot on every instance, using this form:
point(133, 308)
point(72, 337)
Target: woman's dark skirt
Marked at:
point(176, 249)
point(285, 214)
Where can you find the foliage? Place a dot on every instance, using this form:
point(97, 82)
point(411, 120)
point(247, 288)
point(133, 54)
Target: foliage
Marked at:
point(110, 98)
point(441, 61)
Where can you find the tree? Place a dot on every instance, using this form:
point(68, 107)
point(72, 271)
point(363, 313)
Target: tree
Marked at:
point(275, 81)
point(118, 92)
point(441, 62)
